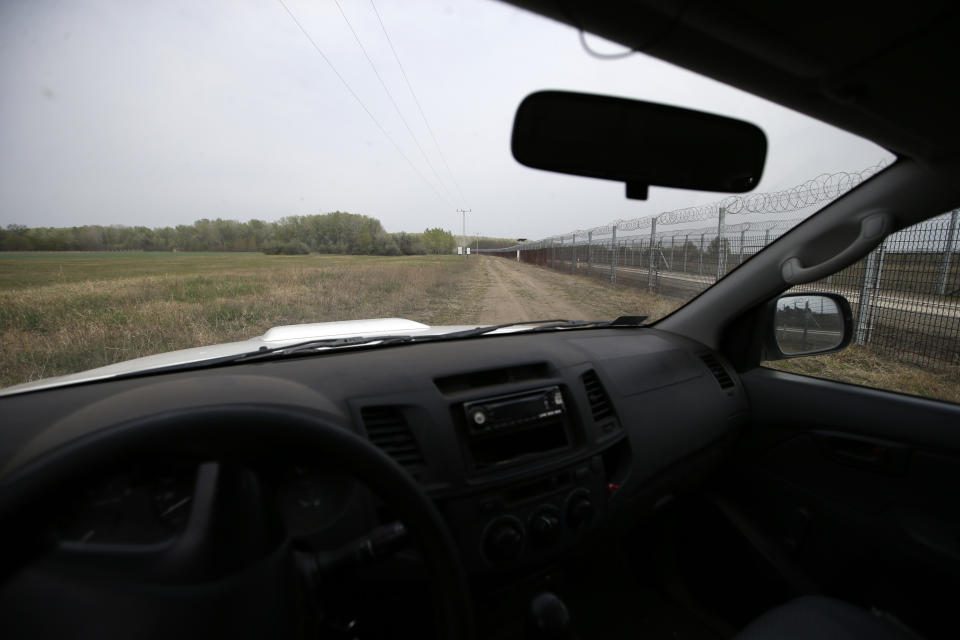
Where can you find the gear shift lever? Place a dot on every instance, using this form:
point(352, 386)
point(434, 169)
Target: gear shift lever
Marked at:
point(548, 618)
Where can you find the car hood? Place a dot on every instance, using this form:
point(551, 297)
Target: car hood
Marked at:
point(272, 339)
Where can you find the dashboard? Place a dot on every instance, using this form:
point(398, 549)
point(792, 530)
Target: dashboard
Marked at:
point(526, 443)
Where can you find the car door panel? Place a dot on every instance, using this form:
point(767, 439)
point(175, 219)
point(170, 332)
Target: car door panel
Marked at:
point(861, 487)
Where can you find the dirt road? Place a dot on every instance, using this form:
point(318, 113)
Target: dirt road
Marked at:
point(522, 292)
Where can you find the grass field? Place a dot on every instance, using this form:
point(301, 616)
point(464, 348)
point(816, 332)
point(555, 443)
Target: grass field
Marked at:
point(65, 312)
point(864, 366)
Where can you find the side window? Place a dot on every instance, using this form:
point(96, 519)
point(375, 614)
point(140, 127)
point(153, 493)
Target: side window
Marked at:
point(905, 297)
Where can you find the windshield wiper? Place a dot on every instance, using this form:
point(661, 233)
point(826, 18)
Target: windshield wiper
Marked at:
point(544, 325)
point(479, 331)
point(622, 321)
point(313, 345)
point(267, 353)
point(310, 346)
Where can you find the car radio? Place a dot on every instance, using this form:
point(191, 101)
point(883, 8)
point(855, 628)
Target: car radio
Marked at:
point(508, 428)
point(518, 410)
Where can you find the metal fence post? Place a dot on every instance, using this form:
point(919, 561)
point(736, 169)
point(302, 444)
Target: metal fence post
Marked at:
point(686, 243)
point(766, 237)
point(862, 333)
point(652, 263)
point(673, 258)
point(700, 261)
point(589, 253)
point(613, 255)
point(881, 250)
point(721, 252)
point(948, 253)
point(742, 233)
point(573, 253)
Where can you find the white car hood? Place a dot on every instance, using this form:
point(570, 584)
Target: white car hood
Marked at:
point(275, 337)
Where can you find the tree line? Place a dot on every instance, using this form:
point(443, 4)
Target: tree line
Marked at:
point(336, 232)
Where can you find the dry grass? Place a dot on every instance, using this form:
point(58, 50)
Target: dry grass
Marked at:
point(61, 313)
point(864, 366)
point(607, 301)
point(65, 313)
point(614, 300)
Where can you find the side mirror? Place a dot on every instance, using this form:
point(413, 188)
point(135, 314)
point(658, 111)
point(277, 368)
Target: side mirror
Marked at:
point(803, 324)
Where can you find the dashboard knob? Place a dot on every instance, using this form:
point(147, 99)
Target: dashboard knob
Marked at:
point(503, 540)
point(580, 510)
point(544, 527)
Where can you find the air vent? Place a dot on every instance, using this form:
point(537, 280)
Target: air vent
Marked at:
point(387, 428)
point(597, 396)
point(723, 378)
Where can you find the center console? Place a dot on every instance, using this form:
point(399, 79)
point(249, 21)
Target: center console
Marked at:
point(538, 483)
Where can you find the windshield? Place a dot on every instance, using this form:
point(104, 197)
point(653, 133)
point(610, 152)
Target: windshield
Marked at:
point(181, 174)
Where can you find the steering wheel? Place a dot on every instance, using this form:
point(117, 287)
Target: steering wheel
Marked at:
point(232, 569)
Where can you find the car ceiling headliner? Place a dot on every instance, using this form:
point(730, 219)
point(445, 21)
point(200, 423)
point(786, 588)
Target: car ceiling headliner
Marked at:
point(883, 70)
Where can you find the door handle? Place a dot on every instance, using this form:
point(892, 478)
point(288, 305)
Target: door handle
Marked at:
point(867, 453)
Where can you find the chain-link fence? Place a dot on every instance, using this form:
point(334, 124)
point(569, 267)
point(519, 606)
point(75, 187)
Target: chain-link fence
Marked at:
point(905, 294)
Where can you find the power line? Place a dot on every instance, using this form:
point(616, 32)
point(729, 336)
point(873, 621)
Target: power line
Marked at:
point(360, 102)
point(386, 89)
point(416, 100)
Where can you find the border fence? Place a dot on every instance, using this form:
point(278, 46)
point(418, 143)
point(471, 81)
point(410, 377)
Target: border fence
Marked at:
point(905, 294)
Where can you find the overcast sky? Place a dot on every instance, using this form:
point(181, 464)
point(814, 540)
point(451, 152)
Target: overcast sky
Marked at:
point(161, 112)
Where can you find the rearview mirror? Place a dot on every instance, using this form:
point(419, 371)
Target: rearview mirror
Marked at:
point(803, 324)
point(639, 143)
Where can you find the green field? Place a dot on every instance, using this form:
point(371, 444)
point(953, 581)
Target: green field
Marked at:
point(27, 269)
point(66, 312)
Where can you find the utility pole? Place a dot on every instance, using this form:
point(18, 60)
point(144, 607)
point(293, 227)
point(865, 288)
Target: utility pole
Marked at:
point(463, 238)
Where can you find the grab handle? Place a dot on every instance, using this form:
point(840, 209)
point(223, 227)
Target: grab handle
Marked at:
point(872, 228)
